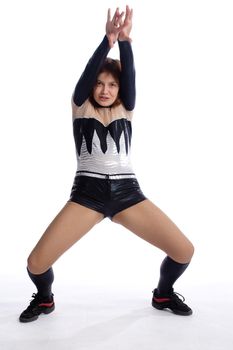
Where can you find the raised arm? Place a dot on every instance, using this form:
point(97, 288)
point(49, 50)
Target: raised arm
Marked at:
point(127, 83)
point(88, 78)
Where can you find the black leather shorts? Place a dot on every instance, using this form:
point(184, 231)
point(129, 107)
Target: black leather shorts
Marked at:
point(107, 196)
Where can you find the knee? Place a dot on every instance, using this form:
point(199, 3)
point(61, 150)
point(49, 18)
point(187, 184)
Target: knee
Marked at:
point(36, 265)
point(191, 250)
point(188, 252)
point(184, 253)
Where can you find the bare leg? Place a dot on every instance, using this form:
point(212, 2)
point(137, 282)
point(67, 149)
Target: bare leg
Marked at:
point(148, 222)
point(72, 222)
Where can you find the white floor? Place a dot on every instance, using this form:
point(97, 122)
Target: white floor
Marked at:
point(123, 319)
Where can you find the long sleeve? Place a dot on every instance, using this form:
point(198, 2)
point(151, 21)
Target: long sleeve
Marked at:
point(88, 77)
point(127, 83)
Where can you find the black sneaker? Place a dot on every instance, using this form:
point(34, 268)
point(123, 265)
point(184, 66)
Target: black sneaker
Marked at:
point(172, 302)
point(37, 306)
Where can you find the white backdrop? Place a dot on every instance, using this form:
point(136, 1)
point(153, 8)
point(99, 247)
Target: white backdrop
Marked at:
point(182, 134)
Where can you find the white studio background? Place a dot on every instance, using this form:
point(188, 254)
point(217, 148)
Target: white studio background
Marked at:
point(182, 134)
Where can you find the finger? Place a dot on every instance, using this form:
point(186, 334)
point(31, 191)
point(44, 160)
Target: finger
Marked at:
point(121, 16)
point(118, 20)
point(116, 14)
point(131, 14)
point(109, 15)
point(127, 11)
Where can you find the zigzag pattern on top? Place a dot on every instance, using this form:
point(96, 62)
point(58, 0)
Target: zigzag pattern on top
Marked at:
point(83, 128)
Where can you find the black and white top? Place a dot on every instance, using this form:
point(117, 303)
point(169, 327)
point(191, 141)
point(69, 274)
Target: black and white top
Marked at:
point(103, 135)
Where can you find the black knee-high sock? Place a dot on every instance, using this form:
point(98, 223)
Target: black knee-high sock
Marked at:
point(170, 271)
point(43, 282)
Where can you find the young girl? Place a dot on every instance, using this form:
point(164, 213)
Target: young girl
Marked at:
point(105, 184)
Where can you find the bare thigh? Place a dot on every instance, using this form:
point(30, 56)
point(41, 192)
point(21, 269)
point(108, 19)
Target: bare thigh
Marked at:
point(147, 221)
point(71, 223)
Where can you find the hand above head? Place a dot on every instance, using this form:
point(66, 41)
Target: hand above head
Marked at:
point(114, 26)
point(126, 25)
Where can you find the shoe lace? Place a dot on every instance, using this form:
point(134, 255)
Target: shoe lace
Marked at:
point(33, 302)
point(177, 300)
point(177, 295)
point(35, 299)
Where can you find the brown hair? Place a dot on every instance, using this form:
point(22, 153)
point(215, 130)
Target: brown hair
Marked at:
point(113, 67)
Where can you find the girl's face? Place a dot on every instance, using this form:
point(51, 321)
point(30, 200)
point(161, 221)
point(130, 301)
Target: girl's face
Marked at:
point(106, 89)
